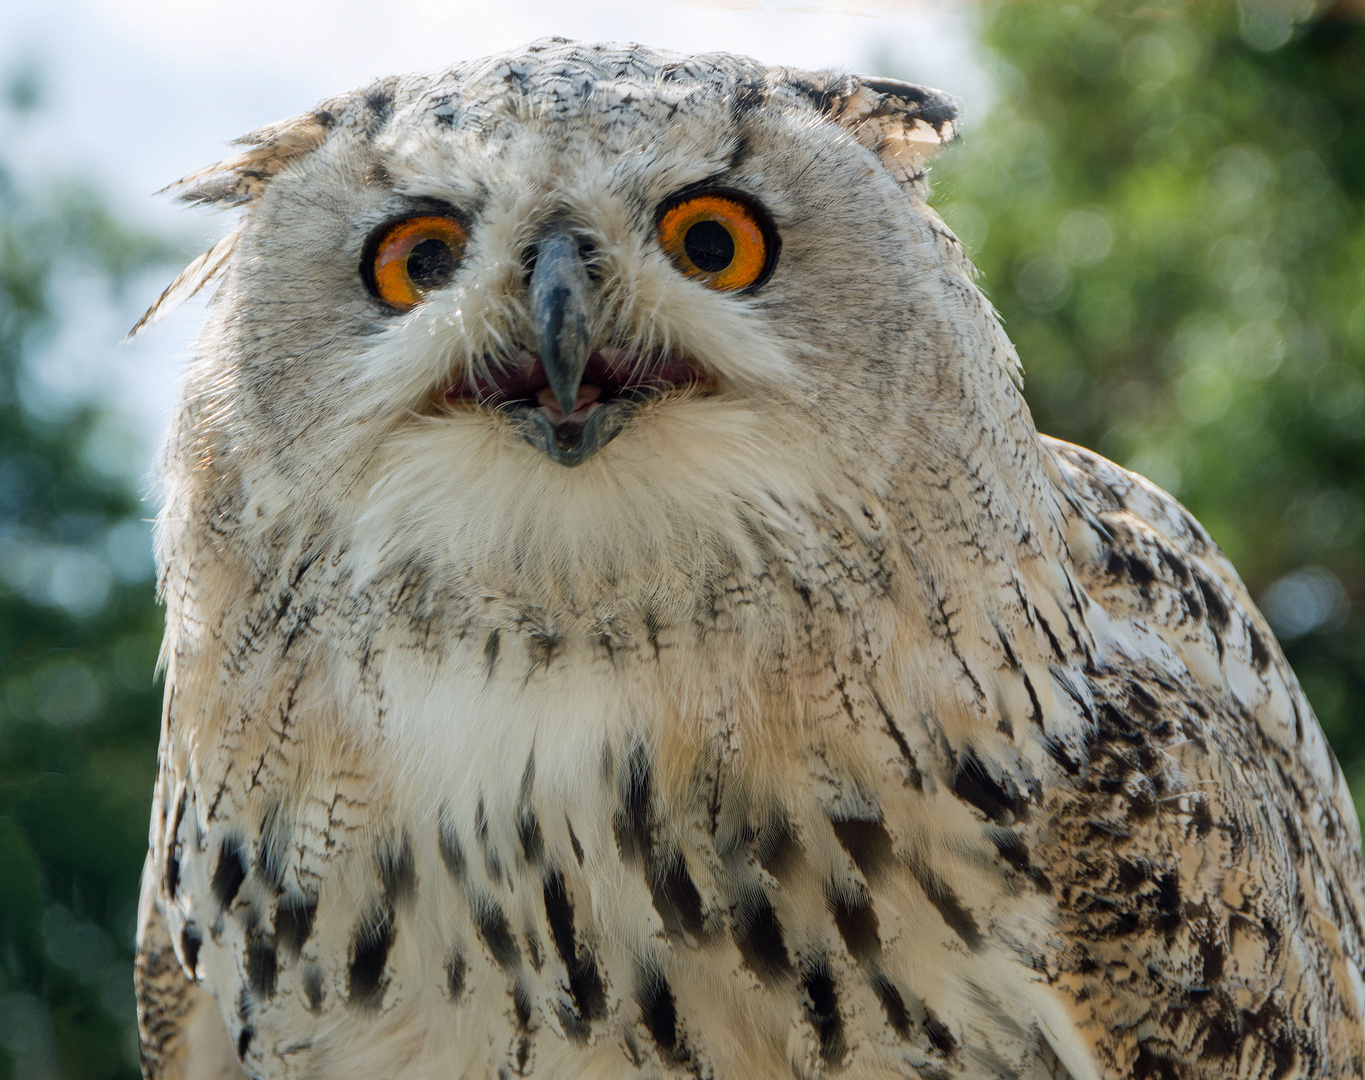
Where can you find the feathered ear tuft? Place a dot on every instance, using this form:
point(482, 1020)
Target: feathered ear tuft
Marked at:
point(903, 124)
point(238, 180)
point(234, 182)
point(193, 278)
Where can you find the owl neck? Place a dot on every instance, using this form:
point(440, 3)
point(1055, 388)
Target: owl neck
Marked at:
point(933, 587)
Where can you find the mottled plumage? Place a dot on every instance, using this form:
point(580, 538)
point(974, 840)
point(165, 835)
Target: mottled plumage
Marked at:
point(827, 719)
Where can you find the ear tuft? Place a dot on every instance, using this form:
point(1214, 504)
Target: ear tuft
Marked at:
point(234, 182)
point(240, 179)
point(190, 280)
point(932, 107)
point(902, 123)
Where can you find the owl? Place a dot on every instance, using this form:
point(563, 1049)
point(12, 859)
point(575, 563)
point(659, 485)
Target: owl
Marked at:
point(622, 622)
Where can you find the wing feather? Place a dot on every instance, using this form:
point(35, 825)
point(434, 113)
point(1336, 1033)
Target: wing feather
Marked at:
point(181, 1032)
point(1205, 855)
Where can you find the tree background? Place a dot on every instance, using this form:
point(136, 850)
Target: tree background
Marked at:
point(1167, 205)
point(79, 635)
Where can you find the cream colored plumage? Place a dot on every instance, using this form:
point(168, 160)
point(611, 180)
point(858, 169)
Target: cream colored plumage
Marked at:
point(825, 720)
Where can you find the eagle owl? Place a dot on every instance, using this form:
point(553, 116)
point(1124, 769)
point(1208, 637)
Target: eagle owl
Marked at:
point(623, 622)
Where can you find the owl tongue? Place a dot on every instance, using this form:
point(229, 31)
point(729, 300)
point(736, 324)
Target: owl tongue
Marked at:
point(583, 403)
point(609, 374)
point(613, 382)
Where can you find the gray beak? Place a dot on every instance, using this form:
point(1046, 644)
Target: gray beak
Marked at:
point(559, 299)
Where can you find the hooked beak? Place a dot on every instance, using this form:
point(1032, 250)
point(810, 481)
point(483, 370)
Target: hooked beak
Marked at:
point(594, 392)
point(559, 297)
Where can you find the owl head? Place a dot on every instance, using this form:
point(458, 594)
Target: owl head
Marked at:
point(575, 299)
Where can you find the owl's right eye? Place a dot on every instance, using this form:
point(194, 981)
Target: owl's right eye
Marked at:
point(408, 259)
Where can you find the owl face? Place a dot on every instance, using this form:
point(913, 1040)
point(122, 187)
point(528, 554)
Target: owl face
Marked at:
point(577, 271)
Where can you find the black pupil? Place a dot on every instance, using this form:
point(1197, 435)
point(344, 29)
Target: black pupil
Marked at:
point(430, 264)
point(710, 246)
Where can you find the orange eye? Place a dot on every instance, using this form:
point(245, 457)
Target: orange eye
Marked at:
point(721, 239)
point(412, 257)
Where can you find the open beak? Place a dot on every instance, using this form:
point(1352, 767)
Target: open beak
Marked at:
point(570, 400)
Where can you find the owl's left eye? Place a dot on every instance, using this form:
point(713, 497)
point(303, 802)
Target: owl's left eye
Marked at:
point(722, 238)
point(408, 259)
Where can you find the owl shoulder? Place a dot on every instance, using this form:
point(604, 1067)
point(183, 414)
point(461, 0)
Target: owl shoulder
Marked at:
point(1165, 595)
point(1208, 816)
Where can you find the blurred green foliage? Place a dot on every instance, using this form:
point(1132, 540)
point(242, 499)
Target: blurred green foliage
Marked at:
point(1167, 206)
point(79, 633)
